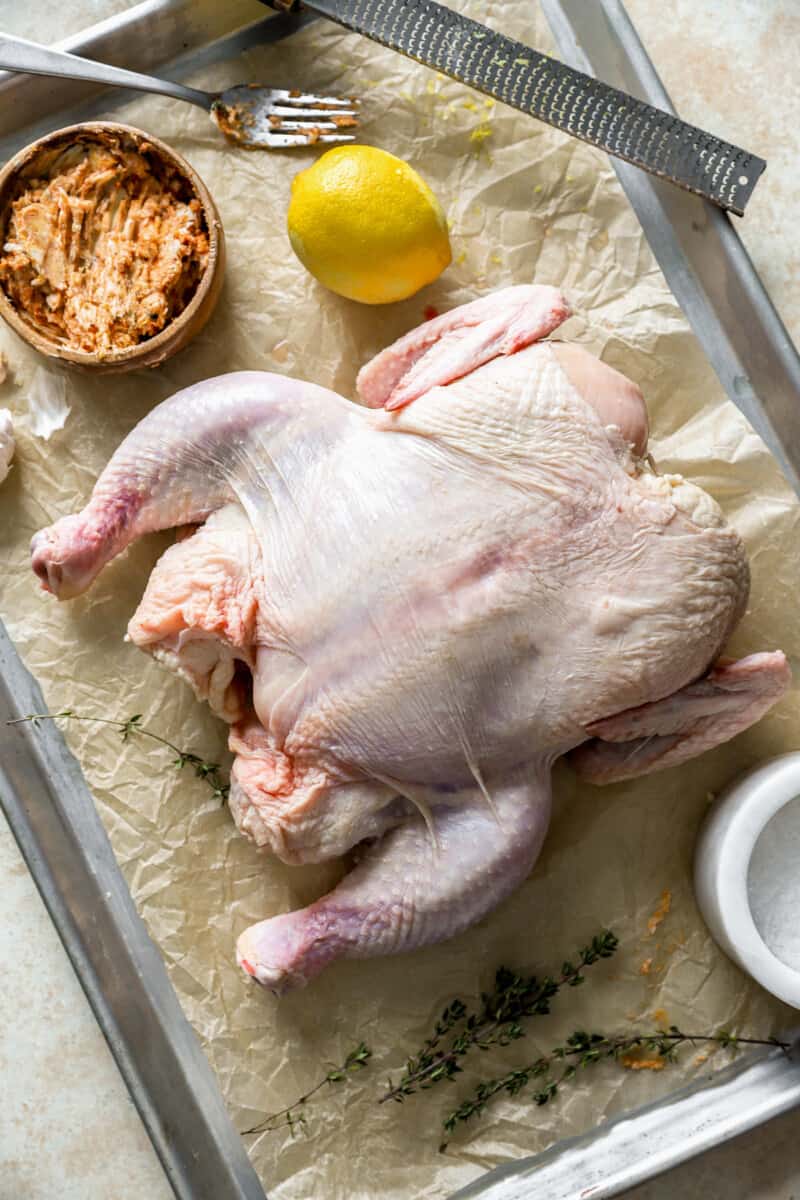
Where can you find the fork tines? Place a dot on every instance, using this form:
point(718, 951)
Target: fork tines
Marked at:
point(302, 100)
point(297, 119)
point(277, 118)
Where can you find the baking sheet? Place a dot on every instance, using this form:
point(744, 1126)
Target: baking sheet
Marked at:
point(524, 203)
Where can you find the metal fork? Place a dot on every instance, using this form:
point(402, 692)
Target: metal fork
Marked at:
point(257, 117)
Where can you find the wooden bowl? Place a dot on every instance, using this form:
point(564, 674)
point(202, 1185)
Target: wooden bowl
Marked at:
point(183, 327)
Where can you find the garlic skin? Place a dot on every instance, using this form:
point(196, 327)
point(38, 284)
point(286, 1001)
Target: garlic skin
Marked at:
point(48, 407)
point(7, 442)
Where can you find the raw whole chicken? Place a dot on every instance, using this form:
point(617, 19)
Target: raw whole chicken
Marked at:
point(408, 611)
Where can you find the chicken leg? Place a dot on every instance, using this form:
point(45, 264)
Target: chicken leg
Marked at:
point(417, 885)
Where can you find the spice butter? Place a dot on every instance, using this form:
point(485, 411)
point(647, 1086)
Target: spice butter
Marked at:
point(105, 242)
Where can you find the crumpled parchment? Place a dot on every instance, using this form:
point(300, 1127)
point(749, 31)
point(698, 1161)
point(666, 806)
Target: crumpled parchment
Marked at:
point(524, 203)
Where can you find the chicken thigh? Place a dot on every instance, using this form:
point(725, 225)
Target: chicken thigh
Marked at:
point(408, 611)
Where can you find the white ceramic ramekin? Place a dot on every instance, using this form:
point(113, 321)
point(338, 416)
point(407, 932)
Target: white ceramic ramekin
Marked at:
point(722, 860)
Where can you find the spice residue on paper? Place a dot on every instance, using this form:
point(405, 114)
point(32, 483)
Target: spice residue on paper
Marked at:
point(632, 1063)
point(660, 913)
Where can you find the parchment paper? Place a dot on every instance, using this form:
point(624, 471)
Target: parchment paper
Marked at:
point(524, 204)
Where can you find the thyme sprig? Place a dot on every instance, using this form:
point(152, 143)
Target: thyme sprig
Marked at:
point(293, 1117)
point(497, 1021)
point(209, 772)
point(583, 1050)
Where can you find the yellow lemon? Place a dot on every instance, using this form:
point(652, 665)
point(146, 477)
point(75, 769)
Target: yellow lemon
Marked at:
point(367, 226)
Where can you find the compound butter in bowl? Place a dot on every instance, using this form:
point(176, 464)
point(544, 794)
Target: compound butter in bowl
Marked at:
point(111, 248)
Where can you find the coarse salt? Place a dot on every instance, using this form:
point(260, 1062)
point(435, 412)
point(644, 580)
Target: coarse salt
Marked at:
point(773, 884)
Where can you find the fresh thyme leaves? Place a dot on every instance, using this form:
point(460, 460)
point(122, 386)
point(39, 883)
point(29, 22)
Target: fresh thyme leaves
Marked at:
point(496, 1022)
point(293, 1116)
point(584, 1050)
point(209, 772)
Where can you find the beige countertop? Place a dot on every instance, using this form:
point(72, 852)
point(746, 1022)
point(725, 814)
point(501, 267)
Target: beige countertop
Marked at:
point(67, 1126)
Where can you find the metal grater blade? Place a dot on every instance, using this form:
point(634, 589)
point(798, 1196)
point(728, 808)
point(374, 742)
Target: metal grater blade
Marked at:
point(534, 83)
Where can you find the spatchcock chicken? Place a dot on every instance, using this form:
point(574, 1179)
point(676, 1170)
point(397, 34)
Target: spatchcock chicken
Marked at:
point(407, 611)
